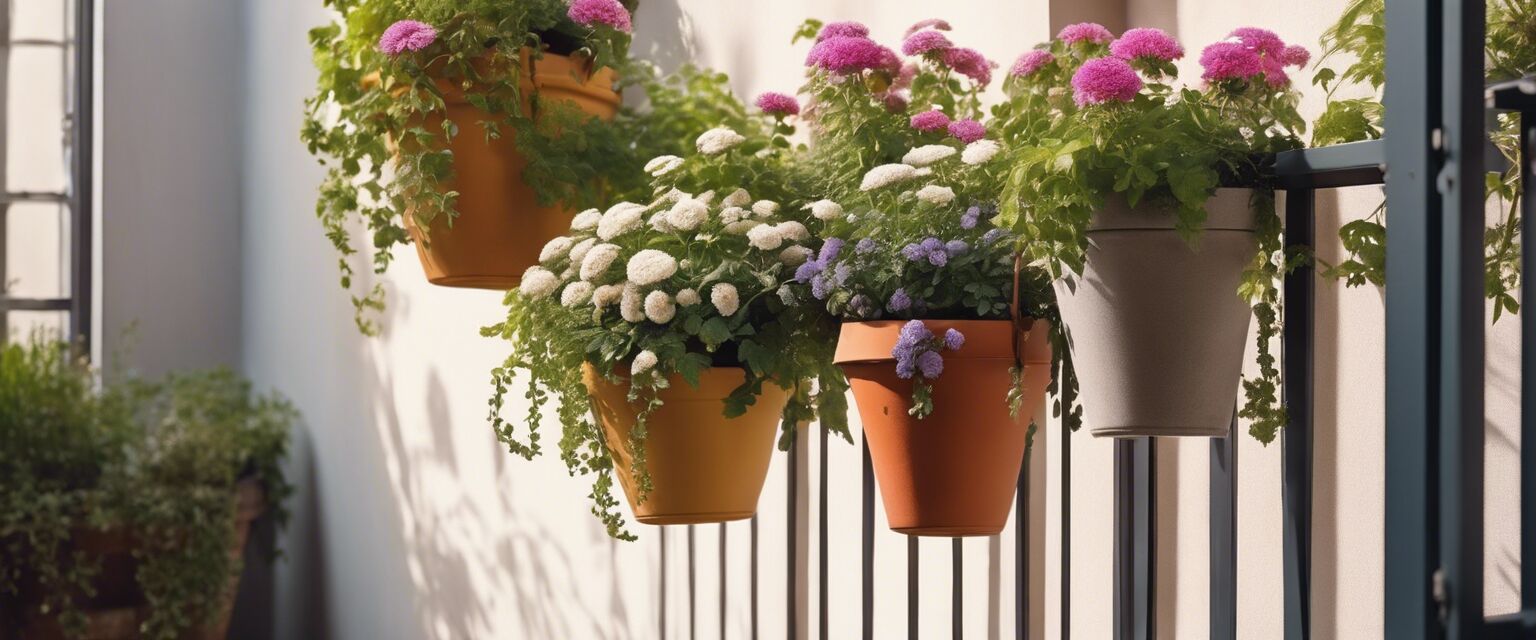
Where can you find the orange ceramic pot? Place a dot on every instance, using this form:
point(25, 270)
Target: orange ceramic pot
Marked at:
point(501, 226)
point(952, 473)
point(704, 467)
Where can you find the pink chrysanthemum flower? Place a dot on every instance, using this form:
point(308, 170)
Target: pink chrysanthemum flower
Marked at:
point(846, 54)
point(1229, 61)
point(1031, 62)
point(1274, 72)
point(1085, 32)
point(1296, 56)
point(605, 12)
point(842, 30)
point(924, 42)
point(931, 23)
point(778, 104)
point(967, 131)
point(1261, 40)
point(1146, 43)
point(969, 63)
point(1102, 80)
point(406, 35)
point(930, 121)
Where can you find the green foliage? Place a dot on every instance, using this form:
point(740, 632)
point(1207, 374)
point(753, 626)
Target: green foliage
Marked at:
point(159, 460)
point(653, 294)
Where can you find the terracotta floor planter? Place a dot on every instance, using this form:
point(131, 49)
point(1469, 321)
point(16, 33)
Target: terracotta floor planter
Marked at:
point(117, 609)
point(501, 226)
point(952, 473)
point(704, 467)
point(1157, 329)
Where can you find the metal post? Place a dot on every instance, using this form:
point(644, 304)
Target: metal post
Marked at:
point(82, 139)
point(1296, 487)
point(1223, 533)
point(1135, 541)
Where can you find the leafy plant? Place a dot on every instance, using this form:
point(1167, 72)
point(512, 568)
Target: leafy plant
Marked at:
point(1092, 116)
point(654, 294)
point(159, 461)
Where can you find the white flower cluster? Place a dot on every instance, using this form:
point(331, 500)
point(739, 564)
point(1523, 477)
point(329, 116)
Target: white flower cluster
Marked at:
point(558, 247)
point(687, 214)
point(597, 261)
point(928, 154)
point(586, 220)
point(538, 283)
point(936, 195)
point(620, 219)
point(643, 362)
point(886, 175)
point(980, 151)
point(825, 210)
point(650, 266)
point(719, 140)
point(723, 296)
point(663, 165)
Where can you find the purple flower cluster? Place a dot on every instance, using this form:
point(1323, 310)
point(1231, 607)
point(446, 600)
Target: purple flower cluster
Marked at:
point(970, 217)
point(1102, 80)
point(867, 245)
point(406, 35)
point(899, 301)
point(969, 63)
point(604, 12)
point(815, 273)
point(848, 54)
point(1147, 43)
point(931, 250)
point(1090, 32)
point(917, 350)
point(992, 236)
point(1031, 62)
point(925, 41)
point(967, 131)
point(778, 104)
point(1250, 52)
point(930, 121)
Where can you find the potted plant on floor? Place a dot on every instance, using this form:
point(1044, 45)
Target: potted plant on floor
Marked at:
point(661, 328)
point(125, 507)
point(1119, 192)
point(935, 340)
point(471, 129)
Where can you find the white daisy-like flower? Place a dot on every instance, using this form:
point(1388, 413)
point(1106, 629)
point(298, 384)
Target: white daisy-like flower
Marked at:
point(659, 222)
point(737, 198)
point(598, 260)
point(663, 165)
point(825, 210)
point(927, 154)
point(980, 151)
point(742, 227)
point(586, 220)
point(718, 140)
point(559, 246)
point(794, 256)
point(794, 231)
point(643, 362)
point(687, 297)
point(723, 296)
point(659, 308)
point(620, 219)
point(765, 237)
point(649, 266)
point(935, 194)
point(605, 295)
point(576, 293)
point(765, 208)
point(579, 252)
point(732, 215)
point(632, 303)
point(688, 214)
point(886, 175)
point(538, 283)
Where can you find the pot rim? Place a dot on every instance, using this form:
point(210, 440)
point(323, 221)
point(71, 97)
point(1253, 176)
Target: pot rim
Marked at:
point(1226, 210)
point(993, 339)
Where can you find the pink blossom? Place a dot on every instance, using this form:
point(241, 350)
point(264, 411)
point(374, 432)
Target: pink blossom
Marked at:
point(1031, 62)
point(604, 12)
point(843, 30)
point(778, 104)
point(1274, 72)
point(406, 35)
point(1296, 56)
point(1261, 40)
point(924, 42)
point(896, 102)
point(1229, 61)
point(931, 23)
point(846, 54)
point(970, 63)
point(967, 131)
point(930, 121)
point(904, 77)
point(1085, 32)
point(1146, 43)
point(1102, 80)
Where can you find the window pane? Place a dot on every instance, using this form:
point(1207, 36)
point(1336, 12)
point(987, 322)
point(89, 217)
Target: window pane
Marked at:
point(38, 19)
point(34, 145)
point(37, 250)
point(44, 324)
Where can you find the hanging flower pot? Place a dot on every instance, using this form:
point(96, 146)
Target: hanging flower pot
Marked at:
point(501, 226)
point(1156, 327)
point(953, 472)
point(703, 466)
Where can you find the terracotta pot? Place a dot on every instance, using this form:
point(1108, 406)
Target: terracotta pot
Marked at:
point(704, 467)
point(952, 473)
point(1157, 328)
point(117, 609)
point(501, 226)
